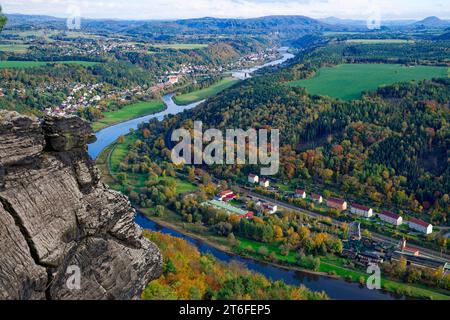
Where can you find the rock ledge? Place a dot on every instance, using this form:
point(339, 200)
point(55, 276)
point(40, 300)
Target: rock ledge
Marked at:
point(56, 216)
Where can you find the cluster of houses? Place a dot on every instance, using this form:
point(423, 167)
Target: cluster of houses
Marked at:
point(89, 95)
point(360, 210)
point(357, 209)
point(269, 54)
point(254, 179)
point(222, 199)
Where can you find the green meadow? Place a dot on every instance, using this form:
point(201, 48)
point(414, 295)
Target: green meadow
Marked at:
point(348, 81)
point(31, 64)
point(199, 95)
point(131, 111)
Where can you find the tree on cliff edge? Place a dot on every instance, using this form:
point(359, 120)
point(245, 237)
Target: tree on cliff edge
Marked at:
point(2, 19)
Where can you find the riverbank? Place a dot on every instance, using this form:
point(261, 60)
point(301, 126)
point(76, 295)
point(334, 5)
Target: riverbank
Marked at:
point(205, 93)
point(221, 246)
point(128, 112)
point(327, 267)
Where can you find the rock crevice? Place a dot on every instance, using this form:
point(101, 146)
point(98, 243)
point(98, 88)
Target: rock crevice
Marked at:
point(55, 213)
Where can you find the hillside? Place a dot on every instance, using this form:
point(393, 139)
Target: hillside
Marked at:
point(432, 22)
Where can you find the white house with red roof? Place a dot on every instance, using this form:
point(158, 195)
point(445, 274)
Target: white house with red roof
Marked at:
point(361, 210)
point(172, 79)
point(263, 182)
point(391, 218)
point(421, 226)
point(316, 197)
point(299, 193)
point(337, 203)
point(226, 195)
point(253, 178)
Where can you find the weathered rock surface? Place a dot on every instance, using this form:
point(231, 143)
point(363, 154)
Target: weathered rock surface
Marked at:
point(56, 214)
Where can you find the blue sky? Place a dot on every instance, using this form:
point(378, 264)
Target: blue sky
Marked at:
point(175, 9)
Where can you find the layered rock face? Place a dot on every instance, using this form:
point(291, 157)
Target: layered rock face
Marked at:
point(58, 220)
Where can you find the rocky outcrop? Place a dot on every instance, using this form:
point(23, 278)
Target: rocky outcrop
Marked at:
point(57, 218)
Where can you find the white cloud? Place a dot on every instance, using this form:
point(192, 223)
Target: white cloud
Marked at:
point(172, 9)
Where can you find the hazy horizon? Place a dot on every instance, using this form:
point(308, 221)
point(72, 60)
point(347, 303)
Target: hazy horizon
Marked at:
point(240, 9)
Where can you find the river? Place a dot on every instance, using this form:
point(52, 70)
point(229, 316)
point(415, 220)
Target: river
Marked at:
point(246, 73)
point(110, 134)
point(334, 288)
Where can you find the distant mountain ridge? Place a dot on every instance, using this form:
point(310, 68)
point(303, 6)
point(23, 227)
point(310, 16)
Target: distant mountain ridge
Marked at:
point(287, 26)
point(278, 26)
point(433, 22)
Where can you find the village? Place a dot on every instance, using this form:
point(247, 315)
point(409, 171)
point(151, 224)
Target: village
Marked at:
point(92, 95)
point(363, 251)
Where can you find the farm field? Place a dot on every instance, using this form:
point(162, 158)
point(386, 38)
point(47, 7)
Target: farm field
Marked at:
point(128, 112)
point(198, 95)
point(348, 81)
point(16, 48)
point(31, 64)
point(180, 46)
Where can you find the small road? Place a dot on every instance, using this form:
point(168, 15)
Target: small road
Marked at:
point(375, 236)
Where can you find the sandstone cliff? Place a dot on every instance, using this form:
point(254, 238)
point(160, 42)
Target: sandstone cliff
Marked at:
point(55, 213)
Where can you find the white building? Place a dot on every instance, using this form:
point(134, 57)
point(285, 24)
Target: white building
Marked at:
point(267, 207)
point(299, 193)
point(391, 218)
point(316, 197)
point(253, 178)
point(361, 210)
point(420, 226)
point(263, 182)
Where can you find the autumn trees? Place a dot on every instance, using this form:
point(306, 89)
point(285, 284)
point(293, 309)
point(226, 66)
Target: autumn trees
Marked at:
point(189, 275)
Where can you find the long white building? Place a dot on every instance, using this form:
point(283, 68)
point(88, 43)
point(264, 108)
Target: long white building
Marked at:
point(361, 210)
point(391, 218)
point(421, 226)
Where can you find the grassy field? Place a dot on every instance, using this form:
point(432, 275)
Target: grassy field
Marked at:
point(132, 111)
point(115, 156)
point(198, 95)
point(181, 46)
point(348, 81)
point(379, 41)
point(32, 64)
point(16, 48)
